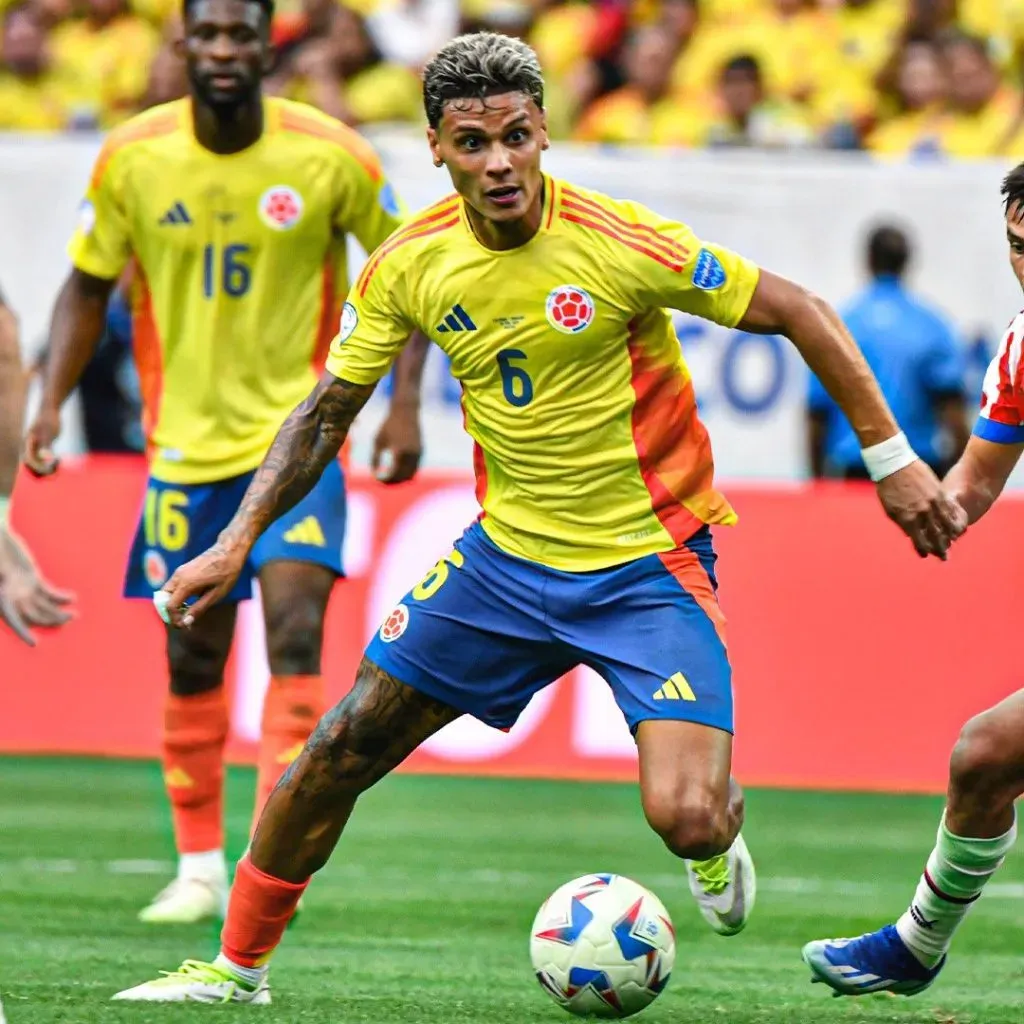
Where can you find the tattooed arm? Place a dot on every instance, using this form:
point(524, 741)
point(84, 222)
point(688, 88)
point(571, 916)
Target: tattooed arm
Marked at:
point(306, 443)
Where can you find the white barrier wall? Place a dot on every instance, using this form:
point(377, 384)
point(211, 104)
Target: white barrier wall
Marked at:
point(803, 216)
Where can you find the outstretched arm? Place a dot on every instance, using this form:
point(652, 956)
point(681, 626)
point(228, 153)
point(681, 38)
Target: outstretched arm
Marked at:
point(820, 336)
point(308, 440)
point(79, 317)
point(981, 473)
point(909, 491)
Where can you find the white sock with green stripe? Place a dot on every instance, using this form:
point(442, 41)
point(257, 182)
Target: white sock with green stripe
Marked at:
point(957, 871)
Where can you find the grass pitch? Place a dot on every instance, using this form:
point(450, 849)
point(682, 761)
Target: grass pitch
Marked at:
point(422, 915)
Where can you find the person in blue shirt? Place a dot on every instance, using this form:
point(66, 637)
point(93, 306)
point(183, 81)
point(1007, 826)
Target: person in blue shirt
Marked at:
point(912, 349)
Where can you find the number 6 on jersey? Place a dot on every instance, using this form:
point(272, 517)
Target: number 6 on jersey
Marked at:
point(515, 381)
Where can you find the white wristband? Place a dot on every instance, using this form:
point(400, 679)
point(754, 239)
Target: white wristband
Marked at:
point(5, 512)
point(888, 457)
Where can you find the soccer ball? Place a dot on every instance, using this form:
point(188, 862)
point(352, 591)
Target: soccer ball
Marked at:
point(602, 946)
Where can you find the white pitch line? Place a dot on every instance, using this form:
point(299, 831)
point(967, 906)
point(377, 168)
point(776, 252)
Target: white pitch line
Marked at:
point(139, 867)
point(781, 884)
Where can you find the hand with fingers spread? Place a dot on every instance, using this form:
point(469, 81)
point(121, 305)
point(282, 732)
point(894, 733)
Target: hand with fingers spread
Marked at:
point(199, 584)
point(26, 599)
point(914, 499)
point(398, 446)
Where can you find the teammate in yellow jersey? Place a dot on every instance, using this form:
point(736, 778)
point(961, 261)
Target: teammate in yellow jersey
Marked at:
point(231, 213)
point(595, 477)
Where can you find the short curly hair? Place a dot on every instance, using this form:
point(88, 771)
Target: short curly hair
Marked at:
point(478, 65)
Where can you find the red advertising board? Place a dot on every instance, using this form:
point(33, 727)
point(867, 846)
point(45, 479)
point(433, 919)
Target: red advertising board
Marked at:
point(855, 661)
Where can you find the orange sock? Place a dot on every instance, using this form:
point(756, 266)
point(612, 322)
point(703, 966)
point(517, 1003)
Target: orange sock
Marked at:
point(258, 913)
point(291, 709)
point(195, 730)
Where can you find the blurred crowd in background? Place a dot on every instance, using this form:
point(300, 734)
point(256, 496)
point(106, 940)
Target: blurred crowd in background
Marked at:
point(905, 79)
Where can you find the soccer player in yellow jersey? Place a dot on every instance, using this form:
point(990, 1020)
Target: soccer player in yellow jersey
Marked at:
point(594, 473)
point(231, 213)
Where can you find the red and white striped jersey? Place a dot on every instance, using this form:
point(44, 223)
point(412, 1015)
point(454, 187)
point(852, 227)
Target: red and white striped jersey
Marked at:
point(1002, 395)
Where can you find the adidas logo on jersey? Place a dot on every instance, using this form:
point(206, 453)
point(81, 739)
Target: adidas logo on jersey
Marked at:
point(457, 320)
point(675, 688)
point(177, 214)
point(307, 532)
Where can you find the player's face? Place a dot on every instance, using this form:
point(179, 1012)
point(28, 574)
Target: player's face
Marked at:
point(492, 151)
point(226, 50)
point(1015, 238)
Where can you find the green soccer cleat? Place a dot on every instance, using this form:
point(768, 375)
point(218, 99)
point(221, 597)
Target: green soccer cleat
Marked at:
point(725, 888)
point(198, 982)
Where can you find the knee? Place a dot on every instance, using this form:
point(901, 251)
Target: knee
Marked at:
point(196, 663)
point(294, 637)
point(693, 824)
point(985, 756)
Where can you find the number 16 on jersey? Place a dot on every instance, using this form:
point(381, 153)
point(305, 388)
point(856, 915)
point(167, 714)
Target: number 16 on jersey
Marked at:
point(225, 268)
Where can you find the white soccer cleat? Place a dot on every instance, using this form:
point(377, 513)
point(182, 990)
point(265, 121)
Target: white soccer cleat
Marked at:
point(187, 901)
point(198, 982)
point(725, 888)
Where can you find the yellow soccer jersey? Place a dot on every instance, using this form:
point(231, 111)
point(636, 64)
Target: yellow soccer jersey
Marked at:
point(239, 271)
point(589, 451)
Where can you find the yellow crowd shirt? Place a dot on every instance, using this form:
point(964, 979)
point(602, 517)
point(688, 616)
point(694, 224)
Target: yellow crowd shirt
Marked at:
point(383, 92)
point(112, 61)
point(623, 118)
point(984, 134)
point(915, 133)
point(239, 271)
point(48, 103)
point(588, 448)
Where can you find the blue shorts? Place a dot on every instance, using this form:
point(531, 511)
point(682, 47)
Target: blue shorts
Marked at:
point(485, 630)
point(180, 521)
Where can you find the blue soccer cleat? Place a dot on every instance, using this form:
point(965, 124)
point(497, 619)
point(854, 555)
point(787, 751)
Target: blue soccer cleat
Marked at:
point(876, 962)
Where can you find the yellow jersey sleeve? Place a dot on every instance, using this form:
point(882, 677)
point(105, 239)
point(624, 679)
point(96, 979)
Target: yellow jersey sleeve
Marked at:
point(374, 324)
point(100, 245)
point(368, 205)
point(671, 267)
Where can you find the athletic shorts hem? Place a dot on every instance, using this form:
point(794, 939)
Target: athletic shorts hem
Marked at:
point(313, 558)
point(681, 716)
point(424, 683)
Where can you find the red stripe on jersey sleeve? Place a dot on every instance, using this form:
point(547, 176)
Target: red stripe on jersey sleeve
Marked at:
point(633, 243)
point(645, 232)
point(340, 134)
point(396, 243)
point(445, 208)
point(136, 130)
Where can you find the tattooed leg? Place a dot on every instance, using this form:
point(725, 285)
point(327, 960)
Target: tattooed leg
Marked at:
point(356, 744)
